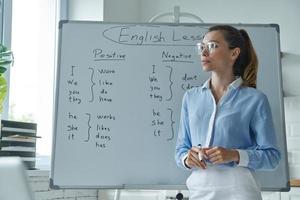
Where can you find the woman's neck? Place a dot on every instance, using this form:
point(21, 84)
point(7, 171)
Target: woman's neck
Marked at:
point(219, 84)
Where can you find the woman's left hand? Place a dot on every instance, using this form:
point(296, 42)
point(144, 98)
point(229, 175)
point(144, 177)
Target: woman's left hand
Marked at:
point(220, 155)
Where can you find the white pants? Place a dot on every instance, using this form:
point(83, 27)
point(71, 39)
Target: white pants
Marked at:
point(223, 183)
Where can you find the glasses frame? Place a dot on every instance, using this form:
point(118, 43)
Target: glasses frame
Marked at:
point(209, 46)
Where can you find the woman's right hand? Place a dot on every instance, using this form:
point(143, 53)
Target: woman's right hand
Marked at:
point(193, 160)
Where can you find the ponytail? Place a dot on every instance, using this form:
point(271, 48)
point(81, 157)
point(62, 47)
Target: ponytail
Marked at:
point(250, 61)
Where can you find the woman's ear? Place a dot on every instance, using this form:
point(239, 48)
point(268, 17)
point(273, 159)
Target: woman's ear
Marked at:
point(235, 53)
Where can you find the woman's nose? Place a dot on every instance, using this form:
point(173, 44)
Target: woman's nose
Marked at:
point(204, 52)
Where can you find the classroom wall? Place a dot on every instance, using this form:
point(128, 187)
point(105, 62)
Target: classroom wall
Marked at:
point(91, 10)
point(127, 10)
point(39, 183)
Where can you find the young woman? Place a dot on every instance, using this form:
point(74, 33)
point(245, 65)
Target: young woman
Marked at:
point(226, 130)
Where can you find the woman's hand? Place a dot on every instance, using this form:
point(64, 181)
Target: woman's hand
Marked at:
point(193, 160)
point(220, 155)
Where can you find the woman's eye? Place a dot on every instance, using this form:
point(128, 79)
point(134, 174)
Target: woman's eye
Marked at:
point(212, 45)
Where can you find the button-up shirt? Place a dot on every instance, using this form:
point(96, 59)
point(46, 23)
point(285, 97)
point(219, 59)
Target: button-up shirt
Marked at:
point(241, 120)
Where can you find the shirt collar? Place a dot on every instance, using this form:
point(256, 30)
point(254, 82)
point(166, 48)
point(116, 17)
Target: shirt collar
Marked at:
point(234, 85)
point(206, 85)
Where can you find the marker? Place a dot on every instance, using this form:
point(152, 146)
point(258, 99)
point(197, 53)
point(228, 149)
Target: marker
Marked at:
point(200, 154)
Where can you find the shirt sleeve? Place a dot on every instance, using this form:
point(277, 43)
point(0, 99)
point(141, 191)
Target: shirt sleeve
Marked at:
point(266, 155)
point(244, 158)
point(183, 143)
point(183, 163)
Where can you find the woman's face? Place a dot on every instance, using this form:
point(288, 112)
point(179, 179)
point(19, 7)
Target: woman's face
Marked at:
point(216, 55)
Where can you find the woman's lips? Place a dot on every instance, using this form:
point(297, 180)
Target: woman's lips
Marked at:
point(205, 61)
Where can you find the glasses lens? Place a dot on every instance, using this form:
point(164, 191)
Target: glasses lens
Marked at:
point(200, 47)
point(210, 46)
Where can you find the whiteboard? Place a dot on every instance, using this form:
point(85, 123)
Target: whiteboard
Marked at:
point(118, 97)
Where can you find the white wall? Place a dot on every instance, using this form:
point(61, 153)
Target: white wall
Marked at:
point(98, 10)
point(121, 10)
point(91, 10)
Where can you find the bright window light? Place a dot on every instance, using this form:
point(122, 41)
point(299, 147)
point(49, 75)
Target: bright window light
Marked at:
point(31, 81)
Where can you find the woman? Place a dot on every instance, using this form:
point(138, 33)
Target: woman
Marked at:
point(226, 130)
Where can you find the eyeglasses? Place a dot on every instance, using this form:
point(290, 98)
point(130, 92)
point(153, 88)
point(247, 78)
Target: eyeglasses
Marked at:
point(210, 46)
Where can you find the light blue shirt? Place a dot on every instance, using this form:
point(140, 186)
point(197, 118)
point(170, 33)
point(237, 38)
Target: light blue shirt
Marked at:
point(241, 120)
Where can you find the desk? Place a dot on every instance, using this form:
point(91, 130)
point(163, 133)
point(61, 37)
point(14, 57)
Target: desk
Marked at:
point(295, 183)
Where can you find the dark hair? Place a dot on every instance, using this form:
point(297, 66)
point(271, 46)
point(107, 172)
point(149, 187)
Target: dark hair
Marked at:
point(246, 63)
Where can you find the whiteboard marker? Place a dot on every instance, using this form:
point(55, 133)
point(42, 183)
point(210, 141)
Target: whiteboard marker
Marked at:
point(200, 154)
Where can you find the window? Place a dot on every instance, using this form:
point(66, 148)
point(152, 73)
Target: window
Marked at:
point(5, 30)
point(32, 76)
point(1, 19)
point(33, 39)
